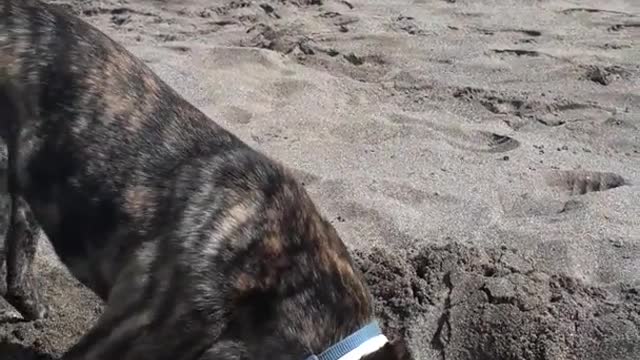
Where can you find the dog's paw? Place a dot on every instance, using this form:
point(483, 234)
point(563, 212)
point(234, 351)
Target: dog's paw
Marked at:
point(38, 311)
point(33, 310)
point(29, 303)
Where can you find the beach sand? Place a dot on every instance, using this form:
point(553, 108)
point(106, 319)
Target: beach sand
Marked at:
point(481, 158)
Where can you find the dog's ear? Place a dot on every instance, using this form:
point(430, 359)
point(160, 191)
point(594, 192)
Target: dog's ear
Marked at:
point(393, 350)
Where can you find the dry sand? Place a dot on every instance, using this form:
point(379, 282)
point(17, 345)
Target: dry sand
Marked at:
point(480, 157)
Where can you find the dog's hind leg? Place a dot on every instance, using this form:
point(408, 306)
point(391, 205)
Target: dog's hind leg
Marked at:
point(21, 239)
point(21, 245)
point(18, 243)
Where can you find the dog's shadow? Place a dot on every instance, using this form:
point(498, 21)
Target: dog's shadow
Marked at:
point(11, 351)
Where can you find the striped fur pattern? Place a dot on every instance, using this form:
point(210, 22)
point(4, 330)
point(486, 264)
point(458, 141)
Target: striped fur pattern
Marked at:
point(201, 247)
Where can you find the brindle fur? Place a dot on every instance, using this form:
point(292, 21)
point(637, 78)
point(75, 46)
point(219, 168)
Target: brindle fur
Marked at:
point(201, 247)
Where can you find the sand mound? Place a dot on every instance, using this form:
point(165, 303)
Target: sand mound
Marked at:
point(451, 301)
point(457, 302)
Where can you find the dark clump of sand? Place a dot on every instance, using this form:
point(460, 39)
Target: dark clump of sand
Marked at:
point(459, 302)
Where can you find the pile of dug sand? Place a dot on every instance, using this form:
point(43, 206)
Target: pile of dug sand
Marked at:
point(481, 158)
point(457, 302)
point(451, 302)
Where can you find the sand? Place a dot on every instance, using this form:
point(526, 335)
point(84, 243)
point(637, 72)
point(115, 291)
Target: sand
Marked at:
point(481, 158)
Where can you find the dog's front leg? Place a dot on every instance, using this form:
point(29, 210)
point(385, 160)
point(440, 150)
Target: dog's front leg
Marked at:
point(137, 333)
point(21, 245)
point(143, 319)
point(114, 336)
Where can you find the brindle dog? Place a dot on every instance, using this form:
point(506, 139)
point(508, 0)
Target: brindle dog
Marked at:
point(201, 247)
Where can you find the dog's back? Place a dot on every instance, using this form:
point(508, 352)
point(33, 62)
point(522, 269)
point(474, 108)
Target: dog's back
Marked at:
point(200, 245)
point(103, 140)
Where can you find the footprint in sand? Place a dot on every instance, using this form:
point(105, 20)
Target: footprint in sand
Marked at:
point(605, 75)
point(618, 20)
point(237, 115)
point(339, 20)
point(621, 18)
point(582, 182)
point(406, 24)
point(617, 123)
point(471, 140)
point(554, 112)
point(285, 89)
point(403, 193)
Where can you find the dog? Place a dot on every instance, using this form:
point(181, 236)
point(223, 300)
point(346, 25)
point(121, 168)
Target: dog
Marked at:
point(201, 247)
